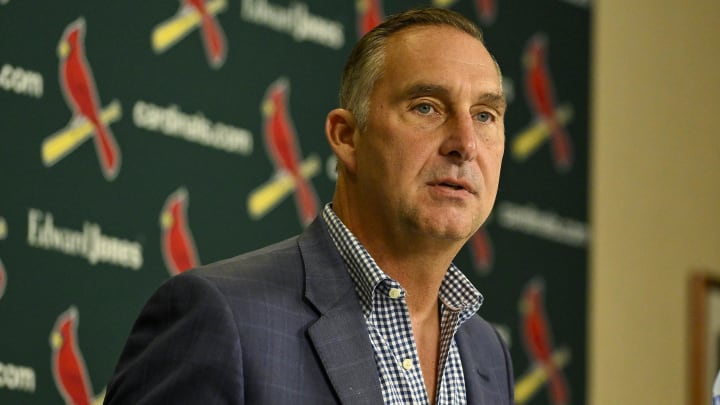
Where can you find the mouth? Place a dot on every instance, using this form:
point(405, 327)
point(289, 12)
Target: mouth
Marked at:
point(453, 184)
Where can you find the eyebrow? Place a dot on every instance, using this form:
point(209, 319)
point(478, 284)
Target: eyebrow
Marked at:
point(423, 89)
point(493, 99)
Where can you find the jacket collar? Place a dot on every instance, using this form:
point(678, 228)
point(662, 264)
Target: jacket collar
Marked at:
point(340, 334)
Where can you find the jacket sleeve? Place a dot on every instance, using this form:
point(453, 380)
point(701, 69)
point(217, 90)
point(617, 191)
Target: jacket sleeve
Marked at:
point(183, 348)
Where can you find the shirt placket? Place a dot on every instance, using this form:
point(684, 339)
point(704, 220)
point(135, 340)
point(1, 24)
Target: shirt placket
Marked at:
point(392, 319)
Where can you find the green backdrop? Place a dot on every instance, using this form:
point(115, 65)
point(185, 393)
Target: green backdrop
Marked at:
point(133, 144)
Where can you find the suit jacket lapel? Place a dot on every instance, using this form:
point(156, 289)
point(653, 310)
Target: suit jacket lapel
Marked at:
point(340, 335)
point(486, 371)
point(474, 376)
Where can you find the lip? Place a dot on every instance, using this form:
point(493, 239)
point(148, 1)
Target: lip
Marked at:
point(453, 185)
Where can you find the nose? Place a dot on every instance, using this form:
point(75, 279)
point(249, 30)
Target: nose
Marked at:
point(460, 143)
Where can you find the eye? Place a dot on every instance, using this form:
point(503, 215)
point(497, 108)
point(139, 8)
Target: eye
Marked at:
point(484, 116)
point(424, 108)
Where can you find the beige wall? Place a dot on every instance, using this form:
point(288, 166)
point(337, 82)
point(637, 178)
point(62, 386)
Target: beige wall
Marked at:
point(655, 196)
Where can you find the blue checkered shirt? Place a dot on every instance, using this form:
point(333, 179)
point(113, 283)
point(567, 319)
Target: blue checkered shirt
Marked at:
point(385, 310)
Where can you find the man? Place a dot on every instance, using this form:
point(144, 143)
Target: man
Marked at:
point(364, 307)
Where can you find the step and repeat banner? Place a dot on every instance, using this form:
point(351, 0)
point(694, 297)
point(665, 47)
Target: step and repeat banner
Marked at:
point(140, 139)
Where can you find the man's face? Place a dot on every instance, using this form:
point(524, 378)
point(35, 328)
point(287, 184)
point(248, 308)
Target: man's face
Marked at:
point(428, 163)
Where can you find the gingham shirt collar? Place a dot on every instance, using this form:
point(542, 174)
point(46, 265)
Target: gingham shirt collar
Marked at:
point(459, 301)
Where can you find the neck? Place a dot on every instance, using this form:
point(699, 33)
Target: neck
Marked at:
point(419, 274)
point(418, 262)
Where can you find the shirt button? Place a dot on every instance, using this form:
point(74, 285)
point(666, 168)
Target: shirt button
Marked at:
point(395, 293)
point(407, 364)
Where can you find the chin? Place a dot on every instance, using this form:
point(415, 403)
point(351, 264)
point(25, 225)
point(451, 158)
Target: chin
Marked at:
point(443, 223)
point(450, 229)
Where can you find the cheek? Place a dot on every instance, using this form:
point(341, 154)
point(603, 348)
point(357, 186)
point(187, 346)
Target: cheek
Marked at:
point(401, 153)
point(491, 163)
point(417, 161)
point(498, 155)
point(496, 150)
point(378, 161)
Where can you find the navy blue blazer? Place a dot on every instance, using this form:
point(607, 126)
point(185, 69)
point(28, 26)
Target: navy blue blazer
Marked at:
point(281, 325)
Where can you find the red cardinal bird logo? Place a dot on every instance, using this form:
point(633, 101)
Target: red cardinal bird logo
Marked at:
point(68, 367)
point(80, 92)
point(3, 279)
point(281, 143)
point(369, 14)
point(193, 14)
point(178, 246)
point(540, 94)
point(486, 10)
point(212, 34)
point(481, 250)
point(538, 341)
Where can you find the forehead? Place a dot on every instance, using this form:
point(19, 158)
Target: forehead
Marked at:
point(432, 53)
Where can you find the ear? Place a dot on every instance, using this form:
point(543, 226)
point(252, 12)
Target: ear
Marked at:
point(340, 129)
